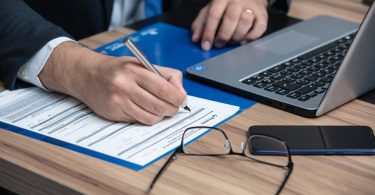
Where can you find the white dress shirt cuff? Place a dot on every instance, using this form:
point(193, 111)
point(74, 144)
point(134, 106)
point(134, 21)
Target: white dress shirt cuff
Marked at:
point(29, 72)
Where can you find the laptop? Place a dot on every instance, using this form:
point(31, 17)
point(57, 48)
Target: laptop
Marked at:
point(307, 69)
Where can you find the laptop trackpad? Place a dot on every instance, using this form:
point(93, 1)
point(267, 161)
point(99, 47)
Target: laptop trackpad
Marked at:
point(287, 42)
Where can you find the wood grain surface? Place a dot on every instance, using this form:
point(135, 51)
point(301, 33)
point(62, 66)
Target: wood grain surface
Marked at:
point(29, 166)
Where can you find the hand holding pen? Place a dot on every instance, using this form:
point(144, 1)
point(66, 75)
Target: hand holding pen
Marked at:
point(143, 60)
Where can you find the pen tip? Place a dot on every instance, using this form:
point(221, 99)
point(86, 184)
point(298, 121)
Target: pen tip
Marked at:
point(187, 108)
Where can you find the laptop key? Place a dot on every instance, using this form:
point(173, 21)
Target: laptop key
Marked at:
point(342, 40)
point(311, 94)
point(249, 81)
point(268, 81)
point(328, 62)
point(298, 76)
point(256, 77)
point(287, 64)
point(333, 68)
point(321, 57)
point(266, 74)
point(327, 71)
point(260, 85)
point(348, 43)
point(320, 91)
point(319, 74)
point(338, 57)
point(287, 86)
point(271, 88)
point(277, 76)
point(299, 66)
point(318, 83)
point(308, 63)
point(294, 95)
point(286, 72)
point(325, 87)
point(326, 80)
point(305, 72)
point(311, 78)
point(292, 69)
point(277, 68)
point(313, 68)
point(296, 60)
point(289, 80)
point(282, 92)
point(338, 50)
point(322, 65)
point(306, 89)
point(302, 82)
point(303, 98)
point(343, 47)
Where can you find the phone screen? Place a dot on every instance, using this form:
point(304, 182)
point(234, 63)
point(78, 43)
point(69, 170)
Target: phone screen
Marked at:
point(318, 139)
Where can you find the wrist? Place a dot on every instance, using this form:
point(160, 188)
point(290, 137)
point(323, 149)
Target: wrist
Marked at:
point(68, 68)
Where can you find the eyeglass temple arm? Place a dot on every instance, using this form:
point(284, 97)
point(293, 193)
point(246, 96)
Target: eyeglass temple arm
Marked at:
point(290, 170)
point(162, 170)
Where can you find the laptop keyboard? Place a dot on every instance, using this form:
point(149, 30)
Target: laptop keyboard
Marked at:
point(305, 76)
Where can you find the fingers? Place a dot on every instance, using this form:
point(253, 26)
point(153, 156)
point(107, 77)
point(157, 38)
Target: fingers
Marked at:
point(259, 26)
point(154, 94)
point(161, 88)
point(173, 76)
point(228, 25)
point(244, 25)
point(123, 90)
point(224, 21)
point(120, 108)
point(133, 103)
point(214, 15)
point(198, 24)
point(152, 104)
point(139, 114)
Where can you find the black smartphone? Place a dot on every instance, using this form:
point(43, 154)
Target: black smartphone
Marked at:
point(317, 139)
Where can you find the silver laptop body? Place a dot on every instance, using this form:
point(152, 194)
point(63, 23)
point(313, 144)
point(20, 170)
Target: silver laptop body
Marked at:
point(299, 44)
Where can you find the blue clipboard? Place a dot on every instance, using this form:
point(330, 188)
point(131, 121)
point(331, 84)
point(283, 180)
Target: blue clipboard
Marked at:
point(171, 46)
point(87, 151)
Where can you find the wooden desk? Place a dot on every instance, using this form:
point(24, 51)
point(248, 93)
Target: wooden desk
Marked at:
point(30, 166)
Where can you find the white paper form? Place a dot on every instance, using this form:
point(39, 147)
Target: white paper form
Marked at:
point(66, 119)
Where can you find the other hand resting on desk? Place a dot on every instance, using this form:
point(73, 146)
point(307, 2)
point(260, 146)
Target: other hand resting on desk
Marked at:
point(222, 21)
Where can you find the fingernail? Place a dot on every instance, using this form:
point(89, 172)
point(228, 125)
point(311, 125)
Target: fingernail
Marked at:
point(219, 44)
point(206, 45)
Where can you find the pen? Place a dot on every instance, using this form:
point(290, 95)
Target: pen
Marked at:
point(143, 60)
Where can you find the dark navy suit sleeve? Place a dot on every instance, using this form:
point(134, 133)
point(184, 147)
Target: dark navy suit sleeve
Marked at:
point(22, 33)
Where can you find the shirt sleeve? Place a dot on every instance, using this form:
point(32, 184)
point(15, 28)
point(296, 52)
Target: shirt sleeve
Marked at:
point(29, 72)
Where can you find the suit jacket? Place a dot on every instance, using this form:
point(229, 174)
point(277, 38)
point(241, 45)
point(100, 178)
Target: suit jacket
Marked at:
point(27, 25)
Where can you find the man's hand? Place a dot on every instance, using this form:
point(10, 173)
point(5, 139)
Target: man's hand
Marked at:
point(116, 88)
point(223, 21)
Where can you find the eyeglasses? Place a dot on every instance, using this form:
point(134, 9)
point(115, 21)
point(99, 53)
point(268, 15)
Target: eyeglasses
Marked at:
point(214, 142)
